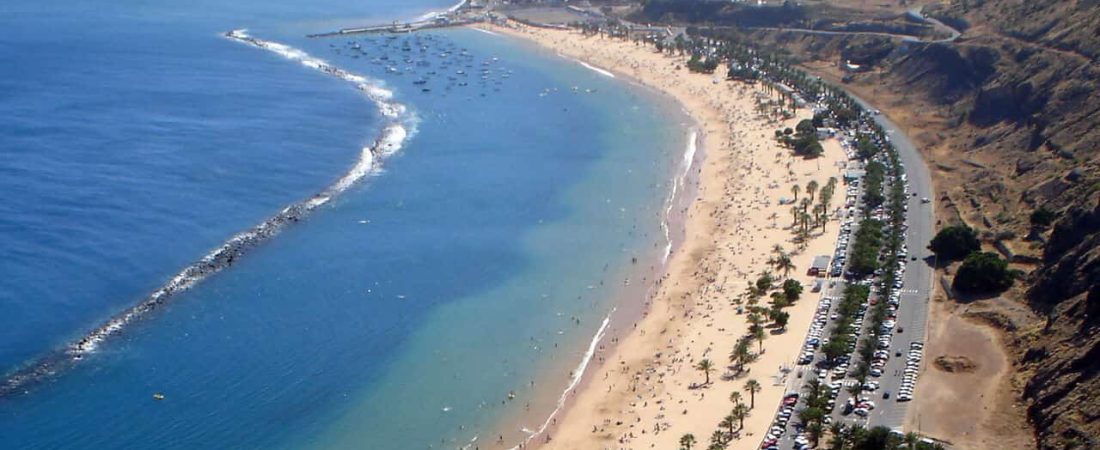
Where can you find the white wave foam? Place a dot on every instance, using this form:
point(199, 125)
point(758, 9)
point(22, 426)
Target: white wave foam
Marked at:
point(597, 69)
point(400, 127)
point(578, 374)
point(486, 31)
point(677, 183)
point(433, 14)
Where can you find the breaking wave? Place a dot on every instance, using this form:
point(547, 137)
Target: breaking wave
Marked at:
point(399, 125)
point(678, 183)
point(574, 380)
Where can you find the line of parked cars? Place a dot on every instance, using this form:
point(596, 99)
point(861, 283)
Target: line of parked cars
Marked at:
point(912, 368)
point(840, 255)
point(779, 426)
point(815, 337)
point(885, 331)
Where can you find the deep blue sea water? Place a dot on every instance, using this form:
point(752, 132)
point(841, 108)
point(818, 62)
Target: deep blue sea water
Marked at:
point(398, 316)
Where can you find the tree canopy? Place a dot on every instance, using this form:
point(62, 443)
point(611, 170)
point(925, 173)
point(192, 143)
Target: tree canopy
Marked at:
point(865, 249)
point(955, 242)
point(983, 272)
point(792, 289)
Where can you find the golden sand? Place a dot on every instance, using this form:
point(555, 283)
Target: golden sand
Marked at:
point(642, 396)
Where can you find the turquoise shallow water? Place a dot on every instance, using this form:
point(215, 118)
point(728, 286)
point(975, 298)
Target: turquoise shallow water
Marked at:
point(397, 316)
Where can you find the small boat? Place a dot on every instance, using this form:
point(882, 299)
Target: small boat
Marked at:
point(158, 396)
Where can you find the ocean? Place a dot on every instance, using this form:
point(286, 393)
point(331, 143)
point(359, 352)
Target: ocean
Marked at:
point(457, 283)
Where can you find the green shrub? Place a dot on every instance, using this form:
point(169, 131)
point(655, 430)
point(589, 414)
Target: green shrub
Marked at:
point(1042, 217)
point(792, 289)
point(983, 272)
point(955, 242)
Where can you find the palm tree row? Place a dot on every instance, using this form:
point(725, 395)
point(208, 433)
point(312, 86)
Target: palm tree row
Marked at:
point(858, 437)
point(731, 423)
point(805, 218)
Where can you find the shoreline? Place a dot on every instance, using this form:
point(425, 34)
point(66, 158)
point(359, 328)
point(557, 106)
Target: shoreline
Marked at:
point(666, 300)
point(631, 303)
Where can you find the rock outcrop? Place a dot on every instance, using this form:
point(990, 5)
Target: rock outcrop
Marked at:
point(1064, 356)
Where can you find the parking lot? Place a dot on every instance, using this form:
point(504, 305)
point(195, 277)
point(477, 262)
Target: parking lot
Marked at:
point(897, 359)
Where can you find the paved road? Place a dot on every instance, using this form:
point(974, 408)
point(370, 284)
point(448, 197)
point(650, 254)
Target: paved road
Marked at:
point(916, 292)
point(904, 37)
point(916, 13)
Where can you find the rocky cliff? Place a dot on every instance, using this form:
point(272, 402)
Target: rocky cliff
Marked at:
point(1064, 356)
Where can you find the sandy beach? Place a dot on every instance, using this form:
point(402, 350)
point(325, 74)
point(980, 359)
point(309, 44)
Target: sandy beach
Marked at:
point(643, 395)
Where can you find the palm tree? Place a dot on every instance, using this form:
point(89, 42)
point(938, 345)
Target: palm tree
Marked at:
point(856, 433)
point(741, 354)
point(911, 440)
point(706, 367)
point(740, 412)
point(816, 388)
point(811, 187)
point(752, 387)
point(755, 322)
point(836, 431)
point(819, 215)
point(795, 190)
point(717, 439)
point(687, 441)
point(759, 334)
point(728, 422)
point(815, 430)
point(783, 263)
point(735, 398)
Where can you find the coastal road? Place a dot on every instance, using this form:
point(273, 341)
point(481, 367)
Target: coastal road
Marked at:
point(904, 37)
point(919, 274)
point(916, 13)
point(953, 34)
